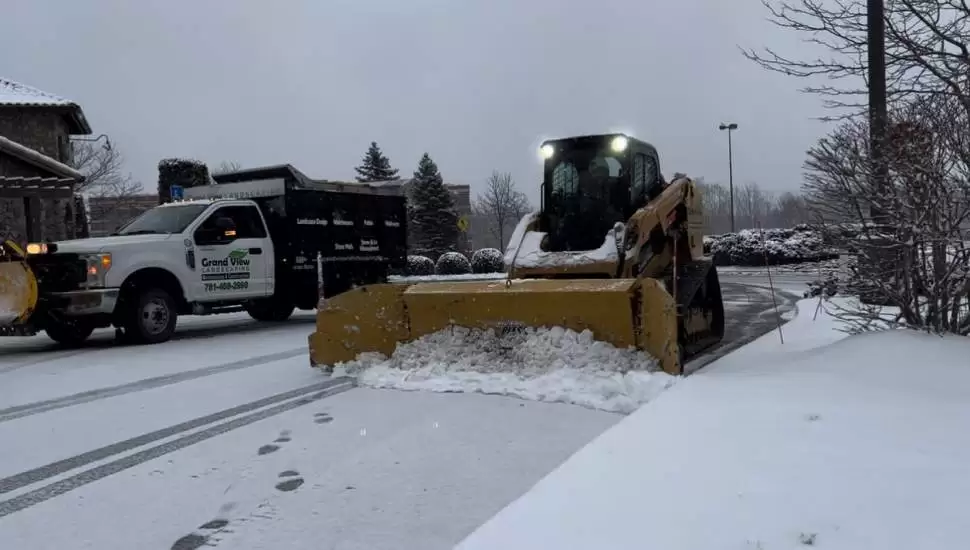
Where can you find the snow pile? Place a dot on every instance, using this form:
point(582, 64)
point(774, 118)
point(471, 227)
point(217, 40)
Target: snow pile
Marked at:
point(551, 365)
point(488, 260)
point(531, 253)
point(452, 263)
point(824, 441)
point(751, 247)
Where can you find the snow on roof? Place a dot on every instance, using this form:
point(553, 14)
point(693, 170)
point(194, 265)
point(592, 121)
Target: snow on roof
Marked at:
point(15, 93)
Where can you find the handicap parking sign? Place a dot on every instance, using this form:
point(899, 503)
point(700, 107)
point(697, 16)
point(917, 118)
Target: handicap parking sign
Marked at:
point(176, 192)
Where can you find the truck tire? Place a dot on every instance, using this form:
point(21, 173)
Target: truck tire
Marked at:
point(69, 334)
point(270, 309)
point(151, 317)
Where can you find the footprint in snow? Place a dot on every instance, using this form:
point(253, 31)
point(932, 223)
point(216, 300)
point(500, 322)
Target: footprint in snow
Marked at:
point(322, 418)
point(214, 524)
point(289, 473)
point(290, 484)
point(283, 437)
point(266, 449)
point(191, 541)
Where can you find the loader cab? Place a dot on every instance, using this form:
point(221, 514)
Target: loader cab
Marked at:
point(592, 182)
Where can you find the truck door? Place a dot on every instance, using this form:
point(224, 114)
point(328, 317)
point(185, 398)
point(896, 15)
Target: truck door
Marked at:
point(234, 255)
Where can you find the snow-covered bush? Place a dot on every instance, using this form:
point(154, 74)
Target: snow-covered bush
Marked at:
point(753, 248)
point(488, 260)
point(452, 263)
point(420, 265)
point(184, 172)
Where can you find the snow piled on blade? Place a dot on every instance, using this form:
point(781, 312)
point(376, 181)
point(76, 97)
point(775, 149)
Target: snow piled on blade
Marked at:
point(547, 364)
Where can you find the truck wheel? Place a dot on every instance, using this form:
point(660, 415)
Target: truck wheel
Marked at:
point(151, 318)
point(270, 310)
point(70, 334)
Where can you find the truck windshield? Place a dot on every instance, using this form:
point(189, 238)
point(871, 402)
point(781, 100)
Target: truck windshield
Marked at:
point(163, 220)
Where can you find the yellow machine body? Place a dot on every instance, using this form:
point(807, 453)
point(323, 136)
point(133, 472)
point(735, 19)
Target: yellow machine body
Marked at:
point(648, 286)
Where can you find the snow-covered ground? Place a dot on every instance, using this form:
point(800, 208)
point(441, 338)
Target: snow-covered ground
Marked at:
point(827, 441)
point(228, 428)
point(225, 437)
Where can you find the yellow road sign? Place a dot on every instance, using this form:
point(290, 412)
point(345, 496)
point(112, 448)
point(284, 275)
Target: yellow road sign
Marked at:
point(463, 224)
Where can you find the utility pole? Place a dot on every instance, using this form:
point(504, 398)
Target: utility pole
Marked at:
point(730, 127)
point(878, 116)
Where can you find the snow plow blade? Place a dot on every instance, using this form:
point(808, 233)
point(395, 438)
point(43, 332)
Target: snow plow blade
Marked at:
point(623, 312)
point(18, 289)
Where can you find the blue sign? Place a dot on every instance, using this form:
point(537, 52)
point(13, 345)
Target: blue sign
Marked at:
point(176, 192)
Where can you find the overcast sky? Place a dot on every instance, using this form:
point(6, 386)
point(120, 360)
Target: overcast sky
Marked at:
point(476, 83)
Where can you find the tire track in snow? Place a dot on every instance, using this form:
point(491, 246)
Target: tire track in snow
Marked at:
point(316, 392)
point(37, 407)
point(282, 401)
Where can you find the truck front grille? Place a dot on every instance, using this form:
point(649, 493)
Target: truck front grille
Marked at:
point(60, 272)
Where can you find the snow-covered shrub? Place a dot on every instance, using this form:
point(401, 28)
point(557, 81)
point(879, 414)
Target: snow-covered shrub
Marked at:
point(420, 265)
point(452, 263)
point(488, 260)
point(753, 248)
point(184, 172)
point(829, 286)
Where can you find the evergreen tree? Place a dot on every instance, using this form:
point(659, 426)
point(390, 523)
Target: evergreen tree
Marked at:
point(375, 166)
point(431, 212)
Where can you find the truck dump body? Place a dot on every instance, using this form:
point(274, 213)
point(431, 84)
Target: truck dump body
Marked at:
point(358, 230)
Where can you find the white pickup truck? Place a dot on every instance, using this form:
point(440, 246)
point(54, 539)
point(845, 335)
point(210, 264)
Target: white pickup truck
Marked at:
point(216, 254)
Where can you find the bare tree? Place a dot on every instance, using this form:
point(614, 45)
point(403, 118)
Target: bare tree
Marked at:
point(226, 167)
point(104, 183)
point(927, 50)
point(789, 210)
point(501, 205)
point(102, 169)
point(928, 202)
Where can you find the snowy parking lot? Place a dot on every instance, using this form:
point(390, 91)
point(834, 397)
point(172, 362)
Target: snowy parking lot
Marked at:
point(225, 437)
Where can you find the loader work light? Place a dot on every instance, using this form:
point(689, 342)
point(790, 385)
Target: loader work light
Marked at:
point(547, 151)
point(619, 144)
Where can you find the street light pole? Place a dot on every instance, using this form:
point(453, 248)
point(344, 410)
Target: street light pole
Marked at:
point(878, 118)
point(730, 127)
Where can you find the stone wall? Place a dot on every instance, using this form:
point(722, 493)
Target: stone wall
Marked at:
point(40, 129)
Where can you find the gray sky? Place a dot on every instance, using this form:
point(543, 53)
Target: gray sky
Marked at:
point(476, 83)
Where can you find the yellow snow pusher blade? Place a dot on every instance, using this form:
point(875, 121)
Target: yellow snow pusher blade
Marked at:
point(18, 288)
point(623, 312)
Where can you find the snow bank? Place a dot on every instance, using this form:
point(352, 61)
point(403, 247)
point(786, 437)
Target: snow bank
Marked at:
point(832, 441)
point(551, 365)
point(438, 278)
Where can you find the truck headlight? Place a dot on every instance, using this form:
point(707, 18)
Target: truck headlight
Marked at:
point(547, 151)
point(37, 248)
point(98, 266)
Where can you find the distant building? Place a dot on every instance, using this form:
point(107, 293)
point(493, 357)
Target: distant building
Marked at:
point(37, 183)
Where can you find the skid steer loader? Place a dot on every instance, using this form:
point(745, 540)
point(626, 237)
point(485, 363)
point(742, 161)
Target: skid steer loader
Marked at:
point(614, 249)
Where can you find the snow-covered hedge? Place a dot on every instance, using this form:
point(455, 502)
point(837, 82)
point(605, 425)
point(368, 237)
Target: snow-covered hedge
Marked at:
point(488, 260)
point(420, 265)
point(750, 247)
point(178, 171)
point(452, 263)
